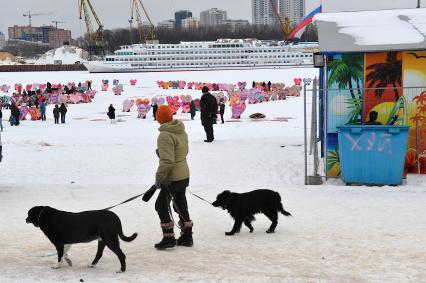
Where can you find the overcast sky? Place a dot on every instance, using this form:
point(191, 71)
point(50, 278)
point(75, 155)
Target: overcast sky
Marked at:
point(115, 13)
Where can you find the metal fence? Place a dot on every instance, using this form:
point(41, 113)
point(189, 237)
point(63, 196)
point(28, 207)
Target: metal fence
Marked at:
point(314, 169)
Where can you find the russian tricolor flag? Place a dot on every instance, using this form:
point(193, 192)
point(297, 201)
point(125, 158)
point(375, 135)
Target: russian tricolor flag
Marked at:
point(298, 31)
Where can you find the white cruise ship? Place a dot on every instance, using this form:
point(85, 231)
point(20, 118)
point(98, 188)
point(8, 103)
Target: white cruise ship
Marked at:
point(191, 56)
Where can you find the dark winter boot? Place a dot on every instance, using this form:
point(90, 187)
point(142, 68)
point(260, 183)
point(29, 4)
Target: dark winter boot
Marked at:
point(168, 240)
point(185, 238)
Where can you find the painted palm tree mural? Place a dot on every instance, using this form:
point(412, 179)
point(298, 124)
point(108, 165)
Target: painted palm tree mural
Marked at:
point(346, 72)
point(345, 96)
point(385, 74)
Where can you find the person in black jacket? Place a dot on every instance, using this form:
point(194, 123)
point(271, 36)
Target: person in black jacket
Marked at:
point(222, 109)
point(111, 113)
point(14, 113)
point(208, 105)
point(56, 114)
point(63, 111)
point(49, 87)
point(192, 109)
point(154, 110)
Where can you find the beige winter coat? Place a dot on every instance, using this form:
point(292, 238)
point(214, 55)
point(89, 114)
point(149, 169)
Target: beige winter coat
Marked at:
point(172, 144)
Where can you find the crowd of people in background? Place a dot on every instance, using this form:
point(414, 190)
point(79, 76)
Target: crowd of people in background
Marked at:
point(15, 114)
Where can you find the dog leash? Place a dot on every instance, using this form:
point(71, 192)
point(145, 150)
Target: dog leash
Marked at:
point(128, 200)
point(199, 197)
point(40, 256)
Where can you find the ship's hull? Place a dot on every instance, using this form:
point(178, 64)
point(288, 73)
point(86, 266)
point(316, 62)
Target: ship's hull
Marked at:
point(100, 67)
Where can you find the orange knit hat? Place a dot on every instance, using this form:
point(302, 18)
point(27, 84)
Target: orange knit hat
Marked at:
point(164, 114)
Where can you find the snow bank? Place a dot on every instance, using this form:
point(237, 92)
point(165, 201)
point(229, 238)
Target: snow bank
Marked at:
point(66, 54)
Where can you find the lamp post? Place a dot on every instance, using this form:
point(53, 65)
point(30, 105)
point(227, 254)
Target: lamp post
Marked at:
point(418, 3)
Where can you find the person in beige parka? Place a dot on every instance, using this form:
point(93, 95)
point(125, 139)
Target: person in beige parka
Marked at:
point(172, 177)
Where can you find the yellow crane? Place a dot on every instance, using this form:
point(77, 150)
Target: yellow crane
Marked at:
point(147, 29)
point(286, 25)
point(95, 39)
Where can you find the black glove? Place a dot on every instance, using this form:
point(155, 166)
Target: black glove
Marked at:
point(149, 193)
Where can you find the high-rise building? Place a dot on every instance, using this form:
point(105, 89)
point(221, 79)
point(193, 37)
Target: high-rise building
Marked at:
point(263, 11)
point(2, 40)
point(190, 23)
point(294, 10)
point(58, 37)
point(180, 15)
point(212, 17)
point(167, 24)
point(44, 34)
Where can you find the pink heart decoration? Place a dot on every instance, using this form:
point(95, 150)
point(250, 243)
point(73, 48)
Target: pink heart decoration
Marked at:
point(54, 98)
point(237, 110)
point(63, 98)
point(17, 100)
point(116, 90)
point(23, 110)
point(127, 104)
point(161, 100)
point(75, 98)
point(5, 88)
point(297, 81)
point(133, 82)
point(18, 88)
point(34, 113)
point(197, 103)
point(143, 109)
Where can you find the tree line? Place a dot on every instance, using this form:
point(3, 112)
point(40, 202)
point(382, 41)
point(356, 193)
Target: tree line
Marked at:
point(114, 38)
point(121, 36)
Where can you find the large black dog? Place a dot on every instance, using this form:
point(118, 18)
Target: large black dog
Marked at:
point(243, 207)
point(65, 228)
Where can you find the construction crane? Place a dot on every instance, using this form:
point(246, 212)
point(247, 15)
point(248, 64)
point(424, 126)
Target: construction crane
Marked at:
point(57, 22)
point(95, 39)
point(29, 15)
point(286, 25)
point(147, 36)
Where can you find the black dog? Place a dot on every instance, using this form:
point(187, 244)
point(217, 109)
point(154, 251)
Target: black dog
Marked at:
point(65, 228)
point(243, 207)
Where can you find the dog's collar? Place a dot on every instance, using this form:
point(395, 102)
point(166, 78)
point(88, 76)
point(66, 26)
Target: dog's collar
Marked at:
point(39, 215)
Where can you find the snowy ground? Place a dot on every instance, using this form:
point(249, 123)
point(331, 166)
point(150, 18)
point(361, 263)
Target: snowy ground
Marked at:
point(337, 234)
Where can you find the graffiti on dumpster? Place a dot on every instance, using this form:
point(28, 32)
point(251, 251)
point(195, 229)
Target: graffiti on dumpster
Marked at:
point(372, 141)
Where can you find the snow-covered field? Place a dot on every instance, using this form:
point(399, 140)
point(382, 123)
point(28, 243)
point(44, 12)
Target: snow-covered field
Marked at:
point(337, 234)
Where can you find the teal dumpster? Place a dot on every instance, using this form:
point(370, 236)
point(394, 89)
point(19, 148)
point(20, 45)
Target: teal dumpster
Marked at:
point(372, 154)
